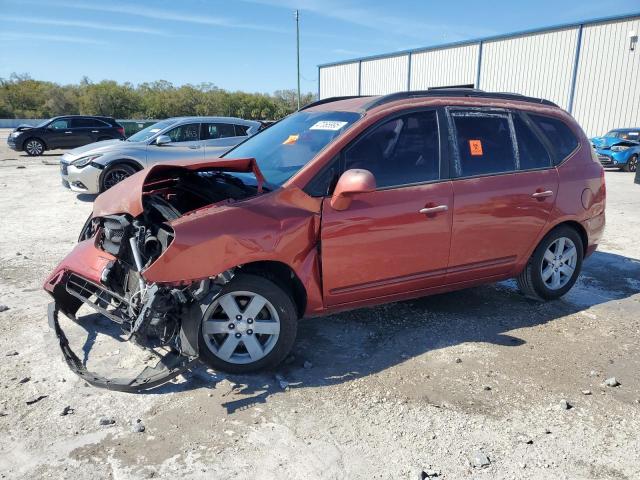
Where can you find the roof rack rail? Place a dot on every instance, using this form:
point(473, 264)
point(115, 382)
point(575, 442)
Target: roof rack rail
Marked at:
point(455, 92)
point(329, 100)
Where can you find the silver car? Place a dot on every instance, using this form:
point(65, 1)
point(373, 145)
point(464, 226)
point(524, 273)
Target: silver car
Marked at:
point(96, 167)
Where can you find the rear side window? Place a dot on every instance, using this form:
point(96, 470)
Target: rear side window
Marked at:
point(531, 151)
point(401, 151)
point(484, 144)
point(87, 123)
point(212, 131)
point(241, 130)
point(559, 135)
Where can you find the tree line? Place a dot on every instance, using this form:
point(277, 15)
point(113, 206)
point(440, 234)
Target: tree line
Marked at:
point(23, 97)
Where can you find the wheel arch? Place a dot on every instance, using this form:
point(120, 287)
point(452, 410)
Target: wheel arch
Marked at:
point(577, 226)
point(284, 276)
point(34, 137)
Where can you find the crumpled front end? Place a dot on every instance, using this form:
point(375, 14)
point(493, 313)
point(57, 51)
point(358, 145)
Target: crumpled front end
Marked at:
point(106, 270)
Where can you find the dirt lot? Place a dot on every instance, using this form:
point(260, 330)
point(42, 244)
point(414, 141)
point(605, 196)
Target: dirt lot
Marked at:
point(391, 391)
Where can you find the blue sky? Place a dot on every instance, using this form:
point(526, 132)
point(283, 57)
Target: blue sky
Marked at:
point(247, 44)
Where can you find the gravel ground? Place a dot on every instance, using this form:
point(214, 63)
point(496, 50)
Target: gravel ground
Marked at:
point(442, 384)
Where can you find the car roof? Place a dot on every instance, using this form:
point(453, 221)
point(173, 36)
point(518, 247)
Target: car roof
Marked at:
point(458, 95)
point(626, 129)
point(216, 119)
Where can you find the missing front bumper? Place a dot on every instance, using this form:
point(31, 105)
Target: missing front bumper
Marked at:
point(170, 365)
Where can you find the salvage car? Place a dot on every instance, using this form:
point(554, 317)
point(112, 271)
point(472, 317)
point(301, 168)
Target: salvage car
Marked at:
point(619, 148)
point(70, 131)
point(98, 167)
point(350, 202)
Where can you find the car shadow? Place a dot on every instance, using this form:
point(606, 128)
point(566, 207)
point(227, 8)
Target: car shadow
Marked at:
point(358, 343)
point(87, 197)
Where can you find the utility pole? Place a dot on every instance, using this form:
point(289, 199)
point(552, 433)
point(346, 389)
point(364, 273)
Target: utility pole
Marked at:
point(297, 15)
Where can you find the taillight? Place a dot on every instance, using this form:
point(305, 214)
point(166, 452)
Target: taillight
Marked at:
point(121, 130)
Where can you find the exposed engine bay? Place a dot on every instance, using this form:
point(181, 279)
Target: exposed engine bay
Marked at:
point(155, 317)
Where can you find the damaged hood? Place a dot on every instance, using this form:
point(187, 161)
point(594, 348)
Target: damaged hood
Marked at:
point(103, 146)
point(126, 196)
point(608, 142)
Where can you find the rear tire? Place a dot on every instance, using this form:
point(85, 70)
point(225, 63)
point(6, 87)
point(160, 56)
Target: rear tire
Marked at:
point(554, 266)
point(114, 174)
point(34, 147)
point(631, 165)
point(236, 336)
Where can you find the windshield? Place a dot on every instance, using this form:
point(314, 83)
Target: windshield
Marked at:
point(42, 124)
point(625, 134)
point(150, 131)
point(284, 148)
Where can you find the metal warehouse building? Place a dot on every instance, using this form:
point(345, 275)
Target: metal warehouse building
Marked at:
point(591, 69)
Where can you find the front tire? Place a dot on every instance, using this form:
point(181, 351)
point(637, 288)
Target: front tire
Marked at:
point(250, 325)
point(631, 165)
point(554, 266)
point(34, 147)
point(114, 174)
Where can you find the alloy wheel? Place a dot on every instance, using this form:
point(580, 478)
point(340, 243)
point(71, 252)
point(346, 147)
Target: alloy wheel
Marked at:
point(559, 263)
point(241, 327)
point(633, 163)
point(115, 176)
point(34, 147)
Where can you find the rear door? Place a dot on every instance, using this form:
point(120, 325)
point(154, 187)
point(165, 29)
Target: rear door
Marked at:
point(82, 131)
point(505, 186)
point(218, 137)
point(385, 243)
point(185, 145)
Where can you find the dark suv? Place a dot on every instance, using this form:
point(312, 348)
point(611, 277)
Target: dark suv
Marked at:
point(70, 131)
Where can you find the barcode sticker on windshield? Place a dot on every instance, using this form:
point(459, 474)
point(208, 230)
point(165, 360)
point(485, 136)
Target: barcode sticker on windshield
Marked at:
point(328, 125)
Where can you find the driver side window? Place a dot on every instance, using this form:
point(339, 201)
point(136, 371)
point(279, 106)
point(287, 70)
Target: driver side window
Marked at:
point(401, 151)
point(60, 124)
point(185, 133)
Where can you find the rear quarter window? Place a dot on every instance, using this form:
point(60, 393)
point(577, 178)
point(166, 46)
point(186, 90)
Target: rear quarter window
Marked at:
point(559, 135)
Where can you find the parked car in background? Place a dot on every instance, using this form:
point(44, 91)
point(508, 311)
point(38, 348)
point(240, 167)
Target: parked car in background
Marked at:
point(70, 131)
point(619, 148)
point(349, 202)
point(95, 168)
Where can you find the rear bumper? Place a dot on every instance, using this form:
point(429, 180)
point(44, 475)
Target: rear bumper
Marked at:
point(595, 229)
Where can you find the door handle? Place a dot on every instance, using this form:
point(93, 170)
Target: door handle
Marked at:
point(94, 131)
point(438, 209)
point(194, 147)
point(545, 194)
point(68, 132)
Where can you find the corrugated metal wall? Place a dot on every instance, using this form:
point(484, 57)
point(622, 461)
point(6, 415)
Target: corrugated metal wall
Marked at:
point(607, 91)
point(444, 67)
point(539, 65)
point(384, 75)
point(339, 80)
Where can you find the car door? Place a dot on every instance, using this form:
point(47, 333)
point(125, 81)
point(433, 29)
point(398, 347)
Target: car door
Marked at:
point(81, 132)
point(59, 134)
point(219, 137)
point(385, 242)
point(185, 145)
point(505, 186)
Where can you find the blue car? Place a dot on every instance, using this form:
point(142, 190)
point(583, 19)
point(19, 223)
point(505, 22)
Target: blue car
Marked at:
point(619, 148)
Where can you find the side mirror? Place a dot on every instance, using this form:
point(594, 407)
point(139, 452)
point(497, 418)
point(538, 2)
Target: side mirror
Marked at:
point(163, 140)
point(351, 183)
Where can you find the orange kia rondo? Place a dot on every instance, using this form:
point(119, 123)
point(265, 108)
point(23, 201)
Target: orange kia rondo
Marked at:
point(350, 202)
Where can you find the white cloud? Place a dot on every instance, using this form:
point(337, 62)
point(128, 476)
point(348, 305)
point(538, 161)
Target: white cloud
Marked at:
point(82, 24)
point(49, 38)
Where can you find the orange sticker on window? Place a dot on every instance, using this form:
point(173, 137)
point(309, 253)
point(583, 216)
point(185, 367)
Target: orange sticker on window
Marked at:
point(291, 140)
point(475, 147)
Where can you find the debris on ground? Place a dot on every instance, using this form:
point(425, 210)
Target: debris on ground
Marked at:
point(480, 460)
point(3, 308)
point(284, 385)
point(25, 380)
point(67, 411)
point(107, 421)
point(11, 353)
point(586, 392)
point(486, 387)
point(428, 474)
point(564, 405)
point(611, 382)
point(138, 426)
point(36, 399)
point(458, 360)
